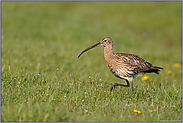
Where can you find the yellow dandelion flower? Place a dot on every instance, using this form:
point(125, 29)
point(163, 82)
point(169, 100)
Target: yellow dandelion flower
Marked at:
point(169, 72)
point(144, 78)
point(139, 112)
point(136, 111)
point(176, 65)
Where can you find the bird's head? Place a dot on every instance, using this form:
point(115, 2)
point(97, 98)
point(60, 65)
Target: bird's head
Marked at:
point(107, 41)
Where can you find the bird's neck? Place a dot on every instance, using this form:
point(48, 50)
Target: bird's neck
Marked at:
point(108, 53)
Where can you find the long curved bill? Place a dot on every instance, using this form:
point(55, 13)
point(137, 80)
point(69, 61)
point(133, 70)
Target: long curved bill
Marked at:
point(98, 44)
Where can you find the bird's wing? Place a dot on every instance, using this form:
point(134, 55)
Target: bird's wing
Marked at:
point(134, 63)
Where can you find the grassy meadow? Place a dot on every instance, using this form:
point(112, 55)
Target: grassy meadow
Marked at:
point(43, 80)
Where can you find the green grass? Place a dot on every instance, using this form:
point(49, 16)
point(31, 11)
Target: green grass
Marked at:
point(43, 80)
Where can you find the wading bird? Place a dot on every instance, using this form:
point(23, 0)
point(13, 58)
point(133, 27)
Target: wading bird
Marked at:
point(122, 65)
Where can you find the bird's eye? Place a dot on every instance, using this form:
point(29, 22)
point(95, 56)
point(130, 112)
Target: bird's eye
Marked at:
point(105, 40)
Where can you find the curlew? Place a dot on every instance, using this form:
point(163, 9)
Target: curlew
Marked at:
point(122, 65)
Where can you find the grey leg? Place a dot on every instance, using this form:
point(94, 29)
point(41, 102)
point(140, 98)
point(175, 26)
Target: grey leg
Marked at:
point(132, 85)
point(116, 84)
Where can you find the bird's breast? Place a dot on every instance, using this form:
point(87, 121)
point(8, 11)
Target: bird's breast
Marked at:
point(118, 69)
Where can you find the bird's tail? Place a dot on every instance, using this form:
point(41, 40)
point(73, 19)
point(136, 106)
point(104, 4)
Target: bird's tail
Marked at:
point(154, 69)
point(158, 67)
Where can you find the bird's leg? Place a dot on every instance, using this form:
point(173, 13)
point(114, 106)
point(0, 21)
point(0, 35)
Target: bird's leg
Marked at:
point(132, 85)
point(116, 84)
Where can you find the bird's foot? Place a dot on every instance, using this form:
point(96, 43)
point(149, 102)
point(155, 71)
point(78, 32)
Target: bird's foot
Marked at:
point(113, 86)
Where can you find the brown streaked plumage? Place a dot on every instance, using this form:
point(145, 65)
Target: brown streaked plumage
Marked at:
point(122, 65)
